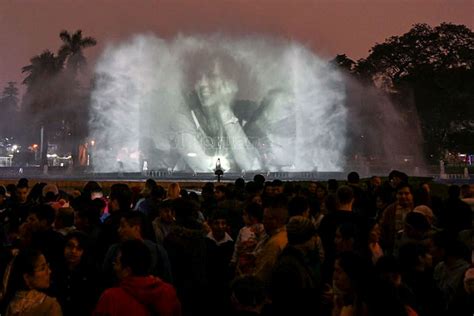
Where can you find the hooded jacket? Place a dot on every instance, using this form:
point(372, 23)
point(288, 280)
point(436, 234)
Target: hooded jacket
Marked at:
point(139, 296)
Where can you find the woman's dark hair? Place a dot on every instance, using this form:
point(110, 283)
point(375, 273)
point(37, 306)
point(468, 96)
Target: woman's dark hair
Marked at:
point(23, 263)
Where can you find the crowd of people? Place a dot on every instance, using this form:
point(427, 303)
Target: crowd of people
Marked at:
point(335, 248)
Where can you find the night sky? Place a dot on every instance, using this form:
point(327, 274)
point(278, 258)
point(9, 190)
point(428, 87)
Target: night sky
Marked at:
point(329, 27)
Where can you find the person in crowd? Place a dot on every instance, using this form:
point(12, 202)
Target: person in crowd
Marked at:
point(163, 223)
point(39, 233)
point(138, 293)
point(173, 192)
point(351, 281)
point(417, 273)
point(21, 205)
point(76, 281)
point(295, 277)
point(393, 217)
point(449, 272)
point(361, 203)
point(186, 247)
point(267, 252)
point(456, 215)
point(28, 279)
point(64, 220)
point(243, 258)
point(248, 296)
point(131, 226)
point(329, 224)
point(219, 249)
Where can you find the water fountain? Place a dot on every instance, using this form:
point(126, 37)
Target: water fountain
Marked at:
point(254, 103)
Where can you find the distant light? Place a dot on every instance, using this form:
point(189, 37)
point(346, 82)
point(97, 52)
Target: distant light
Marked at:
point(14, 147)
point(52, 155)
point(406, 160)
point(134, 155)
point(192, 154)
point(34, 146)
point(92, 142)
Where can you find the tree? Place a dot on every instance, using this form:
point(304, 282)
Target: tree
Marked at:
point(434, 67)
point(9, 109)
point(72, 49)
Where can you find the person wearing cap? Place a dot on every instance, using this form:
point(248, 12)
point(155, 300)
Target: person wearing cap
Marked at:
point(295, 278)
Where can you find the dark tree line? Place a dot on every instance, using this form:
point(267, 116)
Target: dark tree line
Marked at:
point(54, 97)
point(432, 68)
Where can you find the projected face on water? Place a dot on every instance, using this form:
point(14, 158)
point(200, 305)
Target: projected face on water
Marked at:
point(258, 105)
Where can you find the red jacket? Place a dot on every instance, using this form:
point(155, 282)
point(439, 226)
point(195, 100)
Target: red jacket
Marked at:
point(139, 296)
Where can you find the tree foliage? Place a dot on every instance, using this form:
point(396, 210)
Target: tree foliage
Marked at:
point(434, 68)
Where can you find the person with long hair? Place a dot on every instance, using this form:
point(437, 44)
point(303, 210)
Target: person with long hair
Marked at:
point(29, 278)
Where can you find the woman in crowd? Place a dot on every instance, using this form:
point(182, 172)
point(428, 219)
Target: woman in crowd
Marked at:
point(29, 278)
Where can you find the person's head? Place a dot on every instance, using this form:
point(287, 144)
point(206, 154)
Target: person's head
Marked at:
point(350, 273)
point(353, 178)
point(174, 191)
point(75, 249)
point(466, 191)
point(404, 195)
point(257, 198)
point(344, 195)
point(396, 178)
point(375, 182)
point(88, 217)
point(416, 226)
point(312, 186)
point(426, 212)
point(388, 269)
point(277, 186)
point(120, 197)
point(345, 237)
point(130, 226)
point(21, 193)
point(445, 245)
point(64, 218)
point(50, 192)
point(454, 191)
point(91, 187)
point(469, 281)
point(220, 192)
point(240, 183)
point(332, 185)
point(321, 191)
point(30, 271)
point(166, 212)
point(133, 259)
point(149, 185)
point(248, 294)
point(258, 178)
point(268, 189)
point(218, 224)
point(274, 217)
point(301, 232)
point(298, 206)
point(414, 256)
point(40, 218)
point(252, 214)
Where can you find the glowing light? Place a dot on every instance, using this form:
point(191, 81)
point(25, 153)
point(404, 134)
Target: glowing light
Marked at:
point(92, 142)
point(192, 154)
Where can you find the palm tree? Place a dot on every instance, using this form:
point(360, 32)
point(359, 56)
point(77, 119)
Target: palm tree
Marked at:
point(42, 66)
point(73, 45)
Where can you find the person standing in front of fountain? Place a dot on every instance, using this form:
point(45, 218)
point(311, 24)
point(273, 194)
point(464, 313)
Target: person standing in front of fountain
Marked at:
point(212, 130)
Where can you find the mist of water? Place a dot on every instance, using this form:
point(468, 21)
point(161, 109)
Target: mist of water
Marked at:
point(295, 112)
point(291, 105)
